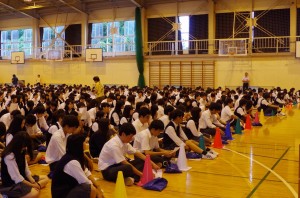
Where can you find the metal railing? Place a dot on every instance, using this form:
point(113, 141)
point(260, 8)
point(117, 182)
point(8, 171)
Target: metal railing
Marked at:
point(258, 45)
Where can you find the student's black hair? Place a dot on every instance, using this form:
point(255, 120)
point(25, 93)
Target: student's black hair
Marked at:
point(266, 95)
point(195, 112)
point(75, 148)
point(176, 113)
point(242, 102)
point(168, 109)
point(228, 101)
point(236, 97)
point(249, 105)
point(128, 129)
point(15, 125)
point(104, 104)
point(20, 140)
point(154, 109)
point(138, 105)
point(30, 119)
point(219, 106)
point(15, 112)
point(60, 113)
point(70, 121)
point(103, 126)
point(2, 129)
point(157, 125)
point(144, 111)
point(131, 99)
point(67, 102)
point(126, 112)
point(96, 79)
point(119, 105)
point(40, 109)
point(213, 106)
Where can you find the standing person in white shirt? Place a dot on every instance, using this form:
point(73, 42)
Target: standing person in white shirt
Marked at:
point(146, 142)
point(112, 157)
point(72, 178)
point(57, 145)
point(246, 81)
point(142, 123)
point(38, 79)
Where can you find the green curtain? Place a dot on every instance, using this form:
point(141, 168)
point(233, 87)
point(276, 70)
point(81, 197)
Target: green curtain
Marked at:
point(139, 47)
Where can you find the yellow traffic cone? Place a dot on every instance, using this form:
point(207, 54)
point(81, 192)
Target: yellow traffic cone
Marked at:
point(120, 191)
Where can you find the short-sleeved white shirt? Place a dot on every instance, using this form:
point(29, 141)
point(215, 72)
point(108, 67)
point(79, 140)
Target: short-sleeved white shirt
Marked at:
point(226, 113)
point(144, 141)
point(113, 152)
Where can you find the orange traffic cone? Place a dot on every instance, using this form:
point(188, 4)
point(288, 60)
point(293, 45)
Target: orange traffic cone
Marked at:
point(147, 172)
point(218, 141)
point(256, 118)
point(248, 123)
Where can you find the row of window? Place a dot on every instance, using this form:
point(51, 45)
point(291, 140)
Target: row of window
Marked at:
point(110, 36)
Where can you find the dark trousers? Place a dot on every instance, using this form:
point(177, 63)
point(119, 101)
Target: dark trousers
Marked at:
point(111, 173)
point(209, 131)
point(245, 86)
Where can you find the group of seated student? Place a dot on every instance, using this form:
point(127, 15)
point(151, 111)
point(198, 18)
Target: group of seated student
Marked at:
point(77, 130)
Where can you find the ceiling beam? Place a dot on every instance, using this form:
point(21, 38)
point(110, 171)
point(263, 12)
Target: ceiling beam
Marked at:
point(138, 3)
point(73, 7)
point(5, 4)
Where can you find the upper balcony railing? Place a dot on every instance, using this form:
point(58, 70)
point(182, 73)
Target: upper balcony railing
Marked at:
point(257, 45)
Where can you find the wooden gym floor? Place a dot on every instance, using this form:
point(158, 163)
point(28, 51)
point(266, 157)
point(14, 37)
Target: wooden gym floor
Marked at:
point(263, 162)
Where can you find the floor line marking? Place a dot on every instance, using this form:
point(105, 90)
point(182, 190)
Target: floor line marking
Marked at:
point(295, 194)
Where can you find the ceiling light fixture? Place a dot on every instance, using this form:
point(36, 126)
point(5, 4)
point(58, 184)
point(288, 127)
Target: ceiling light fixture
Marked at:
point(27, 0)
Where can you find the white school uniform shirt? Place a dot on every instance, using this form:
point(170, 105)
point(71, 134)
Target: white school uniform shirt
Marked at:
point(144, 141)
point(73, 168)
point(139, 99)
point(246, 79)
point(139, 126)
point(13, 169)
point(170, 131)
point(165, 119)
point(135, 116)
point(42, 123)
point(33, 130)
point(6, 119)
point(206, 120)
point(216, 121)
point(54, 128)
point(191, 125)
point(226, 113)
point(57, 146)
point(241, 111)
point(160, 111)
point(92, 112)
point(280, 101)
point(113, 152)
point(8, 138)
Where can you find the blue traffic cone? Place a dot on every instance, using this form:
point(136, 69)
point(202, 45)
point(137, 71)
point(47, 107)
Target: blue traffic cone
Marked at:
point(202, 143)
point(228, 132)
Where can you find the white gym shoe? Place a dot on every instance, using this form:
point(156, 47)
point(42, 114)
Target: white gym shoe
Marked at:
point(213, 152)
point(208, 156)
point(129, 181)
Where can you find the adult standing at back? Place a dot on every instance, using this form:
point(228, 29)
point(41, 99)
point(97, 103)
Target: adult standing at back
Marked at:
point(14, 80)
point(246, 81)
point(99, 89)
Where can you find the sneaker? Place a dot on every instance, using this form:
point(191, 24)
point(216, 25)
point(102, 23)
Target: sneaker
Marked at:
point(208, 156)
point(129, 181)
point(213, 152)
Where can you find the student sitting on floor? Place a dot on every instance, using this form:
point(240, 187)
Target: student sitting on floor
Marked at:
point(268, 108)
point(57, 145)
point(15, 172)
point(146, 142)
point(174, 136)
point(112, 157)
point(143, 122)
point(71, 177)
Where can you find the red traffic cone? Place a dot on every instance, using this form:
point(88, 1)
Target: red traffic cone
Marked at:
point(147, 172)
point(248, 123)
point(218, 140)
